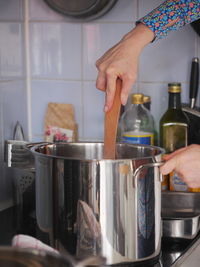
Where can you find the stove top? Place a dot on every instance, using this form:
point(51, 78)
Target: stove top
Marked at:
point(173, 251)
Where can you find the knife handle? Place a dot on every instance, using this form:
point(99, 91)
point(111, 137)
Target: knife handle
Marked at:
point(194, 81)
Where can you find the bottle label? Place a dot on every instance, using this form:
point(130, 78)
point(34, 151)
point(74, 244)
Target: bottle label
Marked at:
point(175, 135)
point(176, 183)
point(197, 189)
point(144, 139)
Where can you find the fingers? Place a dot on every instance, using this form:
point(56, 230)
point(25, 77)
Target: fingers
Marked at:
point(101, 81)
point(171, 155)
point(110, 90)
point(127, 83)
point(116, 63)
point(106, 81)
point(169, 166)
point(185, 162)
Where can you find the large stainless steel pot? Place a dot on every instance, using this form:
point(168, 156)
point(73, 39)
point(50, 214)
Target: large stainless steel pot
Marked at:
point(91, 206)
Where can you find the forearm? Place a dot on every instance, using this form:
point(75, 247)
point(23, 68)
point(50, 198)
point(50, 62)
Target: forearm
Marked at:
point(171, 15)
point(141, 35)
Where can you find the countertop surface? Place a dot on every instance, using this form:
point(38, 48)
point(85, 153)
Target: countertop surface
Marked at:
point(193, 259)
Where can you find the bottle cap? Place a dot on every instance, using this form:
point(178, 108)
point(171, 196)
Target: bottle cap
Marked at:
point(146, 99)
point(137, 99)
point(174, 87)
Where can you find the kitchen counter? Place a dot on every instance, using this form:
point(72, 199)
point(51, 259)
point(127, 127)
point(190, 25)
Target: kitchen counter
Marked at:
point(177, 253)
point(191, 257)
point(185, 253)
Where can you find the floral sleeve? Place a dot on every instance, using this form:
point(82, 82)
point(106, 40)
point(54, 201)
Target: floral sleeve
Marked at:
point(181, 11)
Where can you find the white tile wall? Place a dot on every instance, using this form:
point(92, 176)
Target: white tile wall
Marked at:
point(97, 39)
point(168, 59)
point(39, 10)
point(14, 106)
point(56, 50)
point(11, 50)
point(11, 10)
point(161, 62)
point(46, 91)
point(13, 101)
point(146, 6)
point(93, 122)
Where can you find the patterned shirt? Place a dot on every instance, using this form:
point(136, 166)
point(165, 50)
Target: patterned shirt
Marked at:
point(180, 11)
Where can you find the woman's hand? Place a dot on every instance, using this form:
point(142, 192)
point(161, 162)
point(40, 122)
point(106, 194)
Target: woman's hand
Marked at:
point(186, 163)
point(121, 61)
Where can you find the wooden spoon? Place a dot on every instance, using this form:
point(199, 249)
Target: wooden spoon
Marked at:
point(111, 123)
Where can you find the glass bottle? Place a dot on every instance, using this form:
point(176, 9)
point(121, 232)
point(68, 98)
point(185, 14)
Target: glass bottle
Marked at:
point(174, 133)
point(147, 102)
point(137, 123)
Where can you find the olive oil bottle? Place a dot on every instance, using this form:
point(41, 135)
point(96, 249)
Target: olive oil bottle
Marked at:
point(174, 133)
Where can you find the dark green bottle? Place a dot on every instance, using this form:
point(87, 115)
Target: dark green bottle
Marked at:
point(174, 123)
point(174, 131)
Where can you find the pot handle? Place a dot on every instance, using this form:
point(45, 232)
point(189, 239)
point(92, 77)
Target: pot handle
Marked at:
point(20, 155)
point(30, 145)
point(147, 165)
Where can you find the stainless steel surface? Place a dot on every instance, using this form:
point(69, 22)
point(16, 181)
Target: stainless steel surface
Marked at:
point(180, 204)
point(181, 214)
point(18, 132)
point(192, 102)
point(191, 111)
point(92, 206)
point(149, 165)
point(17, 156)
point(186, 228)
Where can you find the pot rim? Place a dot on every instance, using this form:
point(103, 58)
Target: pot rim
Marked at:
point(32, 148)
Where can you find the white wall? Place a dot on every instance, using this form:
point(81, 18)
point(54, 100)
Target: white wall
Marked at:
point(12, 84)
point(63, 55)
point(61, 63)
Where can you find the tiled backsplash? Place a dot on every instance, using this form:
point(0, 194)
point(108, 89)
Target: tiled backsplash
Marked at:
point(63, 54)
point(12, 85)
point(55, 50)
